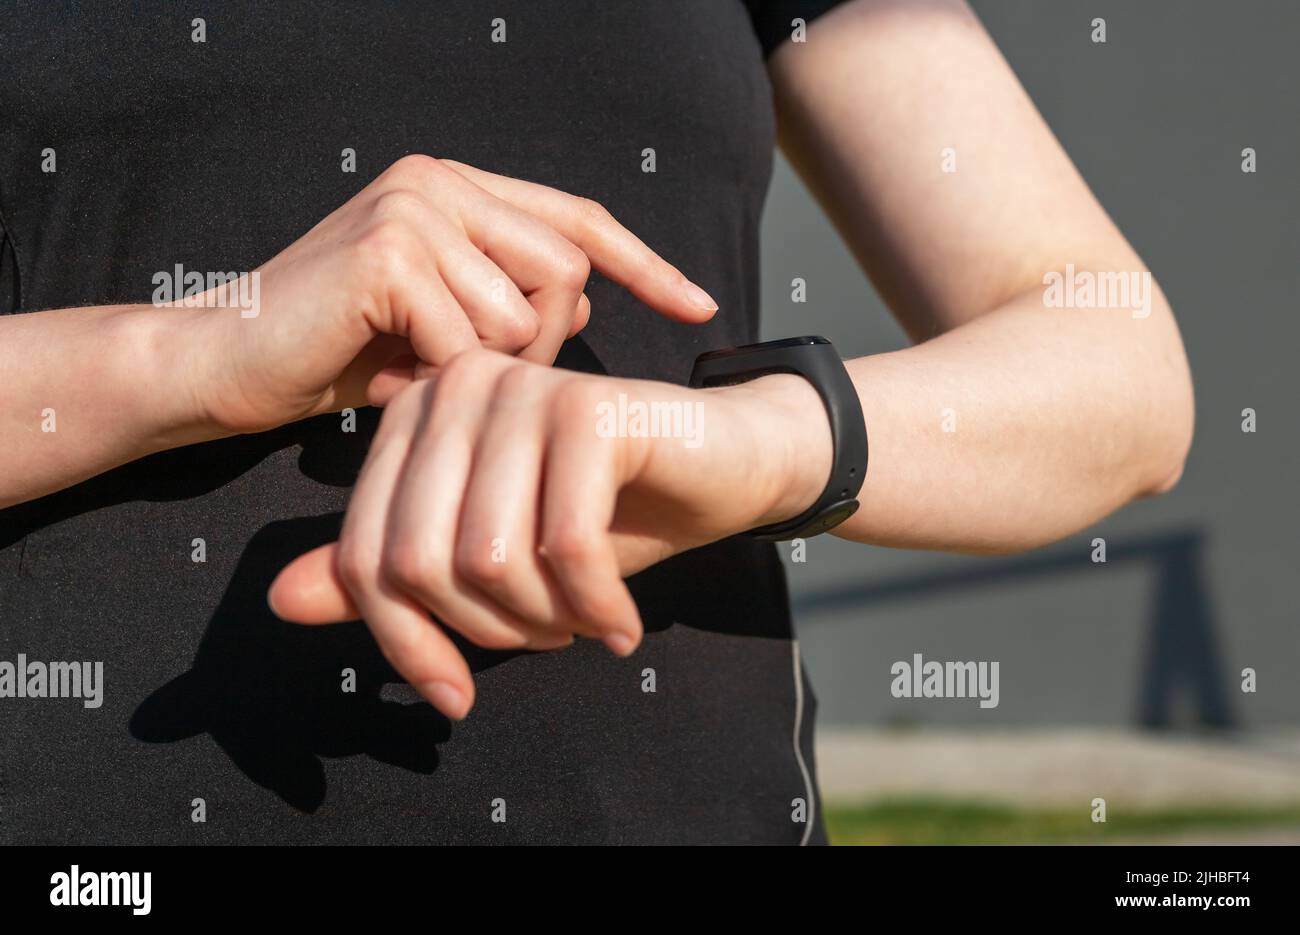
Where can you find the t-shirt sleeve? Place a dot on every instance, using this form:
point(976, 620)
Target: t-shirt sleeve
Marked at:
point(772, 18)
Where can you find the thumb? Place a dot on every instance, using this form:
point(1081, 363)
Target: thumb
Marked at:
point(308, 590)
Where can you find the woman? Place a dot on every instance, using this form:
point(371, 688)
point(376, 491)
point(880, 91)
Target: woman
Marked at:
point(168, 458)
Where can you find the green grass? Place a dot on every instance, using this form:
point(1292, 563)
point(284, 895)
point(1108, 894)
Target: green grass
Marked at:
point(947, 821)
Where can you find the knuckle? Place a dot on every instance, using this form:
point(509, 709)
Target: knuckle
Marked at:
point(462, 372)
point(356, 569)
point(568, 543)
point(477, 565)
point(416, 167)
point(414, 569)
point(593, 213)
point(453, 374)
point(400, 204)
point(518, 328)
point(517, 381)
point(573, 267)
point(382, 249)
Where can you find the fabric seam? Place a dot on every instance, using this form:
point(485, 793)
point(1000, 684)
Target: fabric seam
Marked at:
point(798, 750)
point(12, 241)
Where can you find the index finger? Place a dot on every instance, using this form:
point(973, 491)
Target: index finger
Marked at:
point(613, 249)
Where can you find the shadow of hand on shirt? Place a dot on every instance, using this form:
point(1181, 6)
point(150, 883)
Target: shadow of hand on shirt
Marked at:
point(277, 697)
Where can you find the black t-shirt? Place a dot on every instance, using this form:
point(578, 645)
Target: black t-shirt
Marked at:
point(218, 154)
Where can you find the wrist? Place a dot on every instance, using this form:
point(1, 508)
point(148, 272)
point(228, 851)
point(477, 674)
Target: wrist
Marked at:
point(794, 449)
point(169, 372)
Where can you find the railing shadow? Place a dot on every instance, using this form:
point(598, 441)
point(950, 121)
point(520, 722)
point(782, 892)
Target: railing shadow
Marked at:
point(1182, 652)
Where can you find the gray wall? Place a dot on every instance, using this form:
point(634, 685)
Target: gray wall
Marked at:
point(1200, 583)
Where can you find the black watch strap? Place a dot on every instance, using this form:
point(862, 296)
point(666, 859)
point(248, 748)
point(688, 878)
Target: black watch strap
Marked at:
point(813, 358)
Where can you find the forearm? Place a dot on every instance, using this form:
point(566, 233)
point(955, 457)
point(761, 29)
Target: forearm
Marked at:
point(87, 389)
point(1011, 431)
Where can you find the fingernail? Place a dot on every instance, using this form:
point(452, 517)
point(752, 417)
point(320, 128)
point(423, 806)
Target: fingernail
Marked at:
point(620, 644)
point(698, 297)
point(446, 698)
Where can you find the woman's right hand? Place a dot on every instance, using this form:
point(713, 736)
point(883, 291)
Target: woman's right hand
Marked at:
point(430, 259)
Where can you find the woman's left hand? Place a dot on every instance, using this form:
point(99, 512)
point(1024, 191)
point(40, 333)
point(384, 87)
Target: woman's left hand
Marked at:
point(510, 499)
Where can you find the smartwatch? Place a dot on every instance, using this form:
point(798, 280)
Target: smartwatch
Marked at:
point(814, 359)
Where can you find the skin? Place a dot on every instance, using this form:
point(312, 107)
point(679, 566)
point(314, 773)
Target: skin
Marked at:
point(492, 499)
point(430, 259)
